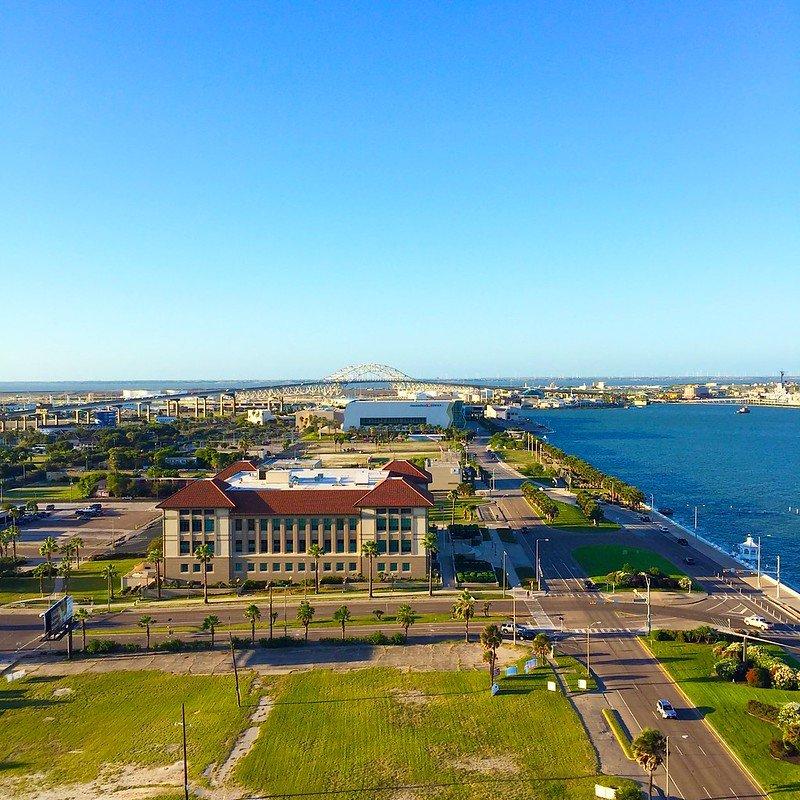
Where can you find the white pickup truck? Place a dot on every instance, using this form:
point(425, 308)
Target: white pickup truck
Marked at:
point(755, 621)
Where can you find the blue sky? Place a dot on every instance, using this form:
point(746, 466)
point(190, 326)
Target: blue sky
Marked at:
point(242, 190)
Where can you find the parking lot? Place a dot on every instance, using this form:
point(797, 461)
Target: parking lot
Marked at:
point(119, 527)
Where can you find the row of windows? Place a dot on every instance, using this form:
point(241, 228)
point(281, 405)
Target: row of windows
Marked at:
point(287, 546)
point(275, 566)
point(197, 525)
point(263, 524)
point(188, 547)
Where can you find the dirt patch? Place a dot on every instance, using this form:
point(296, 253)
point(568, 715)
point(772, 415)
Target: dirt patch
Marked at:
point(64, 691)
point(411, 697)
point(404, 794)
point(488, 765)
point(117, 783)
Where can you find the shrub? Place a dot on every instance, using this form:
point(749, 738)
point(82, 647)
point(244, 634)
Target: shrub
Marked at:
point(763, 711)
point(784, 677)
point(726, 669)
point(758, 677)
point(102, 647)
point(331, 580)
point(629, 790)
point(661, 635)
point(179, 645)
point(280, 641)
point(378, 638)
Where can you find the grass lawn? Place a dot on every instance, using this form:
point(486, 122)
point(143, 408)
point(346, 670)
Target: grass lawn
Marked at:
point(526, 463)
point(373, 732)
point(46, 493)
point(600, 559)
point(115, 718)
point(724, 706)
point(85, 585)
point(572, 519)
point(465, 509)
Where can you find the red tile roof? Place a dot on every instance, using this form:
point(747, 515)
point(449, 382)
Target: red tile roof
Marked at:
point(397, 491)
point(203, 493)
point(409, 470)
point(235, 468)
point(296, 501)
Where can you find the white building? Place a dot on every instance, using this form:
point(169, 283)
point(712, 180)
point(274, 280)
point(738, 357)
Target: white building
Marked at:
point(259, 416)
point(398, 413)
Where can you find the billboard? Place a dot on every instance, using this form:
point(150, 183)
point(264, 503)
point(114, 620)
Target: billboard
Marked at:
point(57, 618)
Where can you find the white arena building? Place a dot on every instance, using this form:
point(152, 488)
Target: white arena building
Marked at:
point(399, 413)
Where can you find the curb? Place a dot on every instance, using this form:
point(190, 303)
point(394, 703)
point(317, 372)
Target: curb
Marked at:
point(713, 730)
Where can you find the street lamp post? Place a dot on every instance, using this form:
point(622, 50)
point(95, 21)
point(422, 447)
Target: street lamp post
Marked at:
point(504, 573)
point(539, 566)
point(649, 616)
point(759, 562)
point(588, 652)
point(667, 765)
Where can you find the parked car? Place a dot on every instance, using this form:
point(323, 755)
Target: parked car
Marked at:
point(50, 507)
point(688, 560)
point(683, 542)
point(645, 518)
point(524, 632)
point(665, 709)
point(663, 528)
point(755, 621)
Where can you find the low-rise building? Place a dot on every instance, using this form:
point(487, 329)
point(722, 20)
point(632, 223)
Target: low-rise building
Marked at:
point(407, 414)
point(260, 416)
point(332, 416)
point(260, 522)
point(446, 473)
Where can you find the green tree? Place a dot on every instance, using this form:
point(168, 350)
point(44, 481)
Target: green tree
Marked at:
point(253, 613)
point(305, 613)
point(13, 538)
point(316, 552)
point(65, 572)
point(430, 541)
point(789, 722)
point(82, 615)
point(370, 550)
point(541, 645)
point(629, 790)
point(48, 548)
point(464, 609)
point(39, 571)
point(210, 624)
point(145, 622)
point(155, 554)
point(491, 639)
point(453, 495)
point(405, 617)
point(77, 544)
point(203, 553)
point(109, 572)
point(649, 750)
point(342, 616)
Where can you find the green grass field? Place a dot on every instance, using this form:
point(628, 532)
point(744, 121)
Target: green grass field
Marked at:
point(85, 585)
point(724, 705)
point(115, 719)
point(600, 559)
point(525, 462)
point(47, 493)
point(466, 509)
point(571, 519)
point(385, 733)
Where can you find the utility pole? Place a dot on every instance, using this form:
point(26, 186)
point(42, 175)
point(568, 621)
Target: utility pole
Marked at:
point(235, 672)
point(185, 761)
point(270, 611)
point(285, 629)
point(504, 573)
point(539, 565)
point(588, 667)
point(514, 616)
point(667, 754)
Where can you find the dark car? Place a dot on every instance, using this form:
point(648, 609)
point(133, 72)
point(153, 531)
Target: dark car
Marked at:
point(50, 507)
point(683, 542)
point(688, 560)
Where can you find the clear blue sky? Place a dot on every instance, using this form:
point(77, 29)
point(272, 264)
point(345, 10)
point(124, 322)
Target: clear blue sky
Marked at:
point(242, 190)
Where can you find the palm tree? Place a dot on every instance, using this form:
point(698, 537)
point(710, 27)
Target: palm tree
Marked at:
point(5, 541)
point(315, 551)
point(541, 645)
point(649, 749)
point(453, 495)
point(405, 617)
point(77, 543)
point(491, 639)
point(48, 548)
point(109, 572)
point(430, 541)
point(253, 613)
point(155, 554)
point(82, 615)
point(145, 622)
point(370, 550)
point(210, 624)
point(65, 571)
point(39, 571)
point(13, 536)
point(464, 609)
point(305, 613)
point(203, 553)
point(342, 615)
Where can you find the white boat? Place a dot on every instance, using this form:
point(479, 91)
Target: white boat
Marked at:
point(743, 410)
point(747, 552)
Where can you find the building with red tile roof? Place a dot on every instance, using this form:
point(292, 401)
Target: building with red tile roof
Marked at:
point(261, 522)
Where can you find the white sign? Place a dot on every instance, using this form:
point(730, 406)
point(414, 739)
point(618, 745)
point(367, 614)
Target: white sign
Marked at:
point(495, 689)
point(583, 684)
point(606, 792)
point(551, 686)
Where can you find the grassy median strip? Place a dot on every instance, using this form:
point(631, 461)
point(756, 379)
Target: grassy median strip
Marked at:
point(614, 721)
point(598, 560)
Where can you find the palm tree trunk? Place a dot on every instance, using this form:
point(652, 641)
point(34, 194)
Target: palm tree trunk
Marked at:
point(252, 632)
point(148, 637)
point(650, 786)
point(370, 577)
point(306, 634)
point(466, 630)
point(83, 632)
point(430, 575)
point(205, 584)
point(158, 579)
point(342, 631)
point(316, 577)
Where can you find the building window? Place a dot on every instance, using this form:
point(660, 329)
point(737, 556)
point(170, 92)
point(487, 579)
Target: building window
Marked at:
point(195, 568)
point(393, 566)
point(394, 524)
point(326, 566)
point(289, 524)
point(301, 545)
point(276, 567)
point(210, 544)
point(210, 567)
point(238, 546)
point(289, 546)
point(264, 545)
point(339, 525)
point(302, 524)
point(394, 546)
point(288, 566)
point(251, 567)
point(185, 548)
point(276, 525)
point(381, 545)
point(184, 526)
point(184, 567)
point(208, 524)
point(251, 525)
point(340, 566)
point(340, 545)
point(406, 566)
point(352, 546)
point(381, 566)
point(262, 525)
point(353, 523)
point(380, 523)
point(251, 545)
point(197, 524)
point(276, 545)
point(405, 546)
point(301, 567)
point(262, 567)
point(352, 566)
point(237, 567)
point(237, 525)
point(405, 524)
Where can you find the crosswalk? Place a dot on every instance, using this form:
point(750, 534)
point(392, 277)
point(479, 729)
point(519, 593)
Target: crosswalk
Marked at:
point(607, 630)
